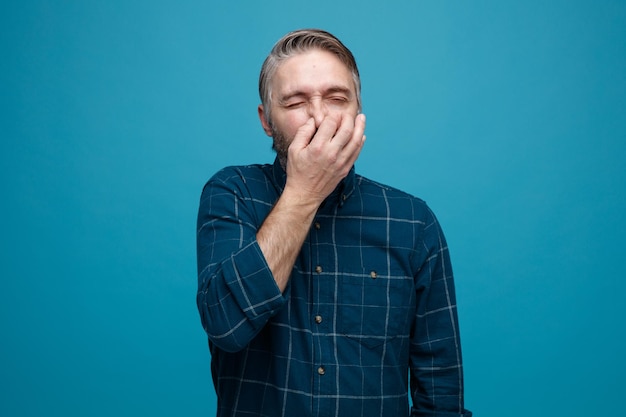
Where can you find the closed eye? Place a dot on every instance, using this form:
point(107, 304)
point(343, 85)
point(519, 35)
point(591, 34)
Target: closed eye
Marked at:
point(294, 104)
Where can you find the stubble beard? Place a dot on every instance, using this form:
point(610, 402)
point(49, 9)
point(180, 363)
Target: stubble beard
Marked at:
point(280, 144)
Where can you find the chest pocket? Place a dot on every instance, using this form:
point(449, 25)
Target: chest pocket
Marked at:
point(376, 306)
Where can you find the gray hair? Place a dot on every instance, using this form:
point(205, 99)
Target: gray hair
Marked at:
point(297, 42)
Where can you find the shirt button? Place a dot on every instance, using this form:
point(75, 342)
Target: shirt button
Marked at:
point(318, 319)
point(373, 274)
point(318, 269)
point(317, 225)
point(321, 370)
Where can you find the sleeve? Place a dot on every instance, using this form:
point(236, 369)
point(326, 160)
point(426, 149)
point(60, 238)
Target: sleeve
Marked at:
point(436, 370)
point(237, 293)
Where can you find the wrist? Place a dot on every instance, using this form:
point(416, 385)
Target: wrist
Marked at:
point(300, 200)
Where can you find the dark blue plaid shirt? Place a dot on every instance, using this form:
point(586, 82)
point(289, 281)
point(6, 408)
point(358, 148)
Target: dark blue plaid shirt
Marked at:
point(370, 305)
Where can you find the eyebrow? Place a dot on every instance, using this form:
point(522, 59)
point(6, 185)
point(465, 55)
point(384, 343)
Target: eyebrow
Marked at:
point(330, 90)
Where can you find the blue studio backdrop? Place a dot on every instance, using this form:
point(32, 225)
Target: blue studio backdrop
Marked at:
point(507, 117)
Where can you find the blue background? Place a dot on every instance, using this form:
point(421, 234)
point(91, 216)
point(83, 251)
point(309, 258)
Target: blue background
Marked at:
point(507, 117)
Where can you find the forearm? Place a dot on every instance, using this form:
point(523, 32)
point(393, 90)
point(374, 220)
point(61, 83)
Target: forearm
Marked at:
point(283, 232)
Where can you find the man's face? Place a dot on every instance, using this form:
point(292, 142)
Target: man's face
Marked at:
point(312, 84)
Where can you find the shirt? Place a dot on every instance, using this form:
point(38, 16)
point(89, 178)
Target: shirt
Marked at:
point(368, 313)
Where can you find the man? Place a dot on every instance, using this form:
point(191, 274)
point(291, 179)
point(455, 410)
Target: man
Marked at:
point(322, 292)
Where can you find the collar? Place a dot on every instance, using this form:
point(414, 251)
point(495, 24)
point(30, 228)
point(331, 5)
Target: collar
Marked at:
point(340, 195)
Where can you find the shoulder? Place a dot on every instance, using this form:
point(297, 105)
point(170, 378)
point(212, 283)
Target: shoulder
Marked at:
point(240, 173)
point(368, 187)
point(396, 201)
point(367, 184)
point(240, 180)
point(241, 177)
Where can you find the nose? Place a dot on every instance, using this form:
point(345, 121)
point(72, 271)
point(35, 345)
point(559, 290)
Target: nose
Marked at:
point(317, 110)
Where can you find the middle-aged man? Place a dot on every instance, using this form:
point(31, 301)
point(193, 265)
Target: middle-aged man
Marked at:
point(323, 293)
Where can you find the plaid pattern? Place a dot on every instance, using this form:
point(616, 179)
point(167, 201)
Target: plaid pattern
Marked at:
point(370, 305)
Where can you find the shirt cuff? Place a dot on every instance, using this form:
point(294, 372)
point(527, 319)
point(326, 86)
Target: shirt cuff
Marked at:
point(253, 284)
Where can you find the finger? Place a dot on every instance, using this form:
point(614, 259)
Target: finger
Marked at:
point(344, 132)
point(304, 134)
point(353, 148)
point(357, 136)
point(359, 125)
point(327, 129)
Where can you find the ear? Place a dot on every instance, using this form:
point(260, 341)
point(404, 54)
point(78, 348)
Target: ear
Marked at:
point(266, 126)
